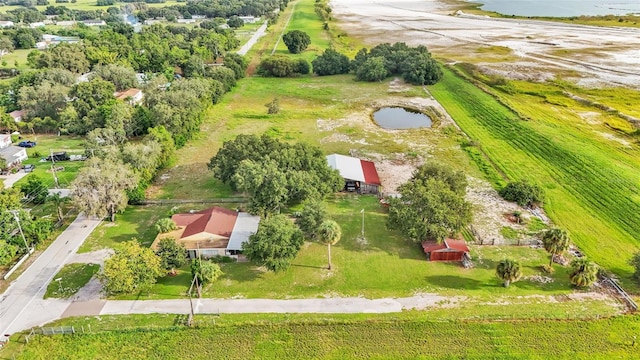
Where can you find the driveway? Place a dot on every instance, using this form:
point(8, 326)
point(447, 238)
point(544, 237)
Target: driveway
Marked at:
point(9, 180)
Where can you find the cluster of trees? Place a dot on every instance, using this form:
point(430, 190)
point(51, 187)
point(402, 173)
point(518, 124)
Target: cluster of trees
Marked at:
point(134, 269)
point(432, 205)
point(53, 100)
point(278, 240)
point(35, 230)
point(274, 173)
point(415, 65)
point(556, 241)
point(283, 66)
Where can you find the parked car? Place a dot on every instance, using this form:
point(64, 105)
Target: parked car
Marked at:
point(28, 168)
point(27, 144)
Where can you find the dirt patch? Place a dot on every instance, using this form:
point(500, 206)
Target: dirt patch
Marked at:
point(395, 172)
point(612, 137)
point(489, 210)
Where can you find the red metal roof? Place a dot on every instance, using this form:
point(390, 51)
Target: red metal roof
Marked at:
point(459, 245)
point(370, 172)
point(446, 245)
point(215, 220)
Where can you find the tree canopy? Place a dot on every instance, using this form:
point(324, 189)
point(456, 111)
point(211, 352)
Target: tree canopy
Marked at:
point(297, 41)
point(275, 244)
point(432, 204)
point(523, 192)
point(172, 255)
point(555, 241)
point(329, 232)
point(583, 272)
point(206, 271)
point(509, 271)
point(130, 269)
point(283, 66)
point(274, 173)
point(331, 62)
point(100, 187)
point(309, 219)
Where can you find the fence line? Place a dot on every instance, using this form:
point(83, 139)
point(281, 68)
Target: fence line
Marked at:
point(631, 305)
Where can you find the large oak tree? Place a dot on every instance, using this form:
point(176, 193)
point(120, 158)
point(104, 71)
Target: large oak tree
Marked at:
point(100, 188)
point(432, 204)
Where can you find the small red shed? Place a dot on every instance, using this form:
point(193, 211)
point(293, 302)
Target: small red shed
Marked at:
point(448, 250)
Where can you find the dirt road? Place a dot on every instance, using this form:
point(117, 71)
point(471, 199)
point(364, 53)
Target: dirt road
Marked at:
point(593, 56)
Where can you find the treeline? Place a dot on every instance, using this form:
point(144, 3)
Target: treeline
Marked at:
point(414, 64)
point(216, 9)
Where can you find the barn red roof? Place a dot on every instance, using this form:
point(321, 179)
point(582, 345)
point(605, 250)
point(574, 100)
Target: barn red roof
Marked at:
point(370, 172)
point(215, 220)
point(447, 244)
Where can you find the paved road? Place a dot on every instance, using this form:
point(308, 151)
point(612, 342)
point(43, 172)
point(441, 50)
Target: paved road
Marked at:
point(254, 39)
point(9, 180)
point(21, 304)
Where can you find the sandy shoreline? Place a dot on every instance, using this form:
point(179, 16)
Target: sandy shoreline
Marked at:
point(593, 56)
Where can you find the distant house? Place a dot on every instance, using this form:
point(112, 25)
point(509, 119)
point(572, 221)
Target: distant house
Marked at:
point(212, 232)
point(186, 21)
point(17, 115)
point(198, 17)
point(248, 19)
point(94, 22)
point(6, 24)
point(133, 96)
point(49, 40)
point(66, 23)
point(13, 155)
point(36, 24)
point(154, 21)
point(359, 175)
point(447, 250)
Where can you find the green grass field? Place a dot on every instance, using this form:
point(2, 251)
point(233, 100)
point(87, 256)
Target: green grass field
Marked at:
point(411, 335)
point(72, 278)
point(356, 271)
point(591, 182)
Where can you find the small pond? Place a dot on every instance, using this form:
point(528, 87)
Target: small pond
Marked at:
point(401, 118)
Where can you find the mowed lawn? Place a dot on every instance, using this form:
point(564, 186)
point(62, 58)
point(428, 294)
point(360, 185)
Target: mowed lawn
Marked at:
point(386, 265)
point(591, 181)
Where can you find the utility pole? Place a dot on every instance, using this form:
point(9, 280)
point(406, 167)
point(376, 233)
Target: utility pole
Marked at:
point(362, 212)
point(15, 216)
point(53, 169)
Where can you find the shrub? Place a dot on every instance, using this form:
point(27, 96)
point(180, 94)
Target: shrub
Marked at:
point(165, 225)
point(283, 66)
point(296, 41)
point(523, 193)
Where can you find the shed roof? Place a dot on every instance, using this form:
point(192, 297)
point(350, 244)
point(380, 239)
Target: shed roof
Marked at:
point(246, 225)
point(446, 245)
point(354, 169)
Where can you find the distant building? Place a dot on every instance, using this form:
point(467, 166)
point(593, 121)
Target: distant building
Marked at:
point(154, 21)
point(50, 40)
point(13, 155)
point(186, 21)
point(133, 96)
point(17, 115)
point(94, 22)
point(6, 24)
point(198, 17)
point(66, 23)
point(248, 19)
point(36, 24)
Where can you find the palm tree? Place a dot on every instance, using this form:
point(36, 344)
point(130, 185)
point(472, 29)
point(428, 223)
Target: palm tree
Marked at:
point(58, 201)
point(556, 241)
point(329, 233)
point(509, 270)
point(583, 272)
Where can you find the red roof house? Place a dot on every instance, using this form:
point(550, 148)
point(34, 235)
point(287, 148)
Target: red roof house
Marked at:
point(211, 232)
point(447, 250)
point(359, 175)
